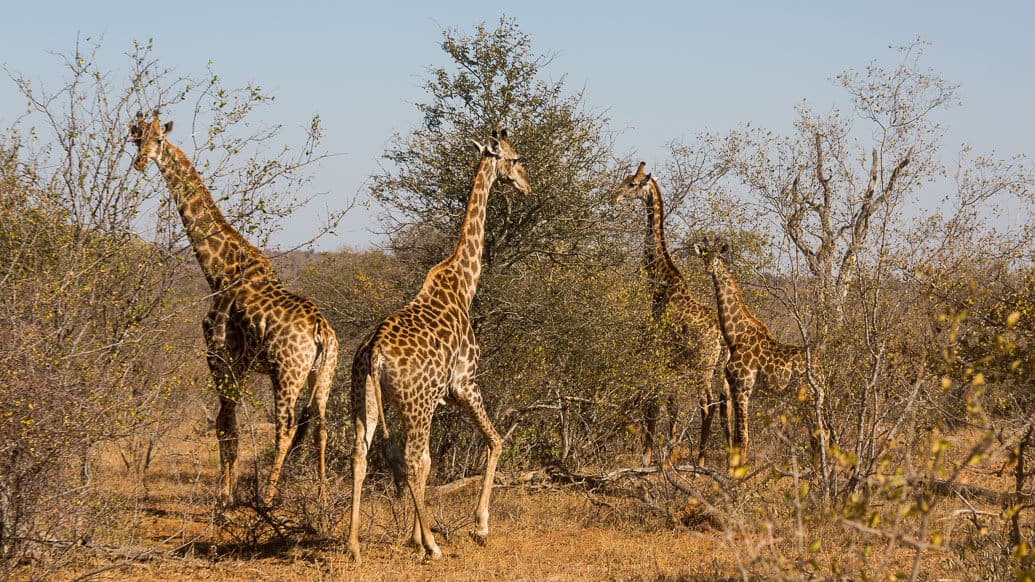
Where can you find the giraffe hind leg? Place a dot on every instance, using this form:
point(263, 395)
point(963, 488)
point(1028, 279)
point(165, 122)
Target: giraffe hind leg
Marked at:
point(365, 416)
point(226, 432)
point(321, 391)
point(226, 380)
point(319, 381)
point(672, 402)
point(287, 383)
point(418, 463)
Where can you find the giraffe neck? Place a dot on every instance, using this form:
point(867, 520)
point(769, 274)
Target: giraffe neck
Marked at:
point(734, 317)
point(663, 272)
point(460, 271)
point(224, 255)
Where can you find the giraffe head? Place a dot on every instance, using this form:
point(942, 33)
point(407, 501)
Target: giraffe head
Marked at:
point(635, 185)
point(509, 169)
point(711, 251)
point(148, 137)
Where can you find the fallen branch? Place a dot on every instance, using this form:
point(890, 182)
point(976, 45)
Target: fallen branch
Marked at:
point(892, 536)
point(944, 487)
point(558, 473)
point(502, 480)
point(591, 480)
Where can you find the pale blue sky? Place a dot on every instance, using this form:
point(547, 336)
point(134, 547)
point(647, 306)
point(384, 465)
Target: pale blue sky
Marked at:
point(661, 70)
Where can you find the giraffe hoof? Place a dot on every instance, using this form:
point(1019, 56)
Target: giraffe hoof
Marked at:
point(479, 537)
point(432, 555)
point(220, 517)
point(266, 499)
point(225, 501)
point(354, 550)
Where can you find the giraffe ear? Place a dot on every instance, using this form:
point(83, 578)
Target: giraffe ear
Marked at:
point(646, 180)
point(477, 144)
point(168, 127)
point(698, 250)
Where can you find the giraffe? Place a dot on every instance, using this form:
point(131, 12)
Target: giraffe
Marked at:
point(687, 325)
point(253, 324)
point(754, 353)
point(426, 353)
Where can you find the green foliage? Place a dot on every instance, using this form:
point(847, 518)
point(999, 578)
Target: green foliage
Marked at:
point(495, 83)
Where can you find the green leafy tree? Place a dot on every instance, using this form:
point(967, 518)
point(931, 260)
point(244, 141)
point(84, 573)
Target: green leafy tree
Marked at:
point(496, 81)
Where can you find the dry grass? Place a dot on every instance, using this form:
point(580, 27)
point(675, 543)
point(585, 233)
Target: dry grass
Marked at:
point(168, 530)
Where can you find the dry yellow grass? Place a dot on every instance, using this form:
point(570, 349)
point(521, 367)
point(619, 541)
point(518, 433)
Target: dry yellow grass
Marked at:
point(539, 533)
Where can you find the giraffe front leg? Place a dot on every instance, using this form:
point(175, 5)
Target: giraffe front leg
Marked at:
point(225, 377)
point(740, 388)
point(217, 320)
point(226, 432)
point(651, 411)
point(727, 411)
point(708, 408)
point(470, 400)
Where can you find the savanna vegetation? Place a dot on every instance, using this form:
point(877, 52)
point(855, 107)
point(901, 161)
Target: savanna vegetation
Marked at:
point(903, 264)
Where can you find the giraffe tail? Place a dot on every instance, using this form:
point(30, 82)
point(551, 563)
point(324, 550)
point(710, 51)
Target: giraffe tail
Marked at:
point(320, 377)
point(374, 380)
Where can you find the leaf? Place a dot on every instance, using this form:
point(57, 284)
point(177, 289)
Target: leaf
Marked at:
point(1013, 318)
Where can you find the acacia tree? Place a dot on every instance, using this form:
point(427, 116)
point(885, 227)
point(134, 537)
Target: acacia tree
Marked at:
point(495, 80)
